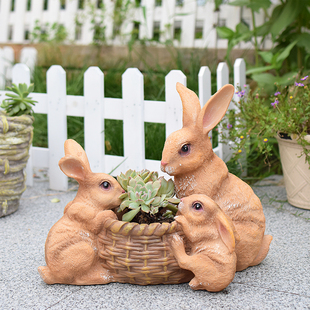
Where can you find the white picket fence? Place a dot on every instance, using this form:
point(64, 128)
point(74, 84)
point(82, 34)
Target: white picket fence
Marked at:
point(28, 56)
point(193, 20)
point(132, 109)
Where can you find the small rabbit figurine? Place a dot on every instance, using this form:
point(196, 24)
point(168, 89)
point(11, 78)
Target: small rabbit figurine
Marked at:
point(188, 156)
point(71, 252)
point(211, 237)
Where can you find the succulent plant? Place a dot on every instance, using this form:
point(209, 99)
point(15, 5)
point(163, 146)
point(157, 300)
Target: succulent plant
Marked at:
point(147, 192)
point(19, 103)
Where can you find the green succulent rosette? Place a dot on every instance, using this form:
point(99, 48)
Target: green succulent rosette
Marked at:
point(146, 192)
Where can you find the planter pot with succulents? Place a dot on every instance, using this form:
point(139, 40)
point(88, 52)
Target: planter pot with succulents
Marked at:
point(16, 133)
point(136, 248)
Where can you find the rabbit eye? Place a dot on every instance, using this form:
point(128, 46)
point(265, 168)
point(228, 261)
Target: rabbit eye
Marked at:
point(105, 185)
point(185, 149)
point(197, 206)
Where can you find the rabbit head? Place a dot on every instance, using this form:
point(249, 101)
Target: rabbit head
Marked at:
point(99, 189)
point(204, 219)
point(187, 149)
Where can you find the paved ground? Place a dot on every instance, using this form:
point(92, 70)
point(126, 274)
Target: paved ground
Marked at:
point(282, 281)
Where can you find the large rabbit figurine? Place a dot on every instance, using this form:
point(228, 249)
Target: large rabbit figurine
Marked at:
point(71, 251)
point(211, 237)
point(188, 156)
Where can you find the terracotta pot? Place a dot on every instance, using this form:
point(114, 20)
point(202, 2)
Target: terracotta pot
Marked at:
point(15, 140)
point(140, 253)
point(296, 173)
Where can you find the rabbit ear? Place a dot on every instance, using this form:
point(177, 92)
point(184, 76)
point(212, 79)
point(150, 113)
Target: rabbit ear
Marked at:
point(73, 167)
point(226, 232)
point(214, 110)
point(74, 149)
point(190, 103)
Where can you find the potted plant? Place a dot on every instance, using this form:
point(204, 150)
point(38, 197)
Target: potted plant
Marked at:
point(16, 133)
point(138, 252)
point(285, 115)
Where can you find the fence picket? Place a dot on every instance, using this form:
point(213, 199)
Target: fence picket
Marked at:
point(204, 85)
point(93, 119)
point(57, 124)
point(173, 101)
point(21, 74)
point(133, 126)
point(222, 78)
point(9, 58)
point(28, 57)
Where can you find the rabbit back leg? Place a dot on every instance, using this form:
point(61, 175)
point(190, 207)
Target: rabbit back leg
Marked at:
point(247, 249)
point(263, 250)
point(69, 264)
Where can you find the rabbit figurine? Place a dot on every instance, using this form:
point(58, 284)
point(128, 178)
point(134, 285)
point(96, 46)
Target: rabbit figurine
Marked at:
point(188, 156)
point(71, 252)
point(211, 237)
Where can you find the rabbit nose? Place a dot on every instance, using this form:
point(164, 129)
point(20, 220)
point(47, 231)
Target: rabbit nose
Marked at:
point(163, 163)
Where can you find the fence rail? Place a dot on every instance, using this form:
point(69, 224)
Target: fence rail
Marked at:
point(132, 109)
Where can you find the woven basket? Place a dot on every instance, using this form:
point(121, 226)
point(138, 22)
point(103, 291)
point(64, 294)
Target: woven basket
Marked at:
point(15, 140)
point(139, 253)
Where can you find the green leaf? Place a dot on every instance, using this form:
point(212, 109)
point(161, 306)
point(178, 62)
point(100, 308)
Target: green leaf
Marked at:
point(285, 53)
point(267, 56)
point(225, 33)
point(133, 205)
point(288, 13)
point(127, 217)
point(254, 5)
point(145, 208)
point(259, 69)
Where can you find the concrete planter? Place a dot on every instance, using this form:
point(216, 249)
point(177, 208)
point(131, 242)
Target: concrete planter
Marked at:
point(15, 140)
point(296, 173)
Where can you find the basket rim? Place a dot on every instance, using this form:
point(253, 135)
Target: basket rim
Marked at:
point(136, 229)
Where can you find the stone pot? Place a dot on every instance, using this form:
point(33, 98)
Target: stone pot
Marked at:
point(15, 140)
point(296, 173)
point(140, 253)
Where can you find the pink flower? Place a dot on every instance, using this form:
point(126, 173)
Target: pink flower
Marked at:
point(304, 78)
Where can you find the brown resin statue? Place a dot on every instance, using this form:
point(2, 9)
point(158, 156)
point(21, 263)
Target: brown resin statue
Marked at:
point(211, 237)
point(71, 250)
point(188, 156)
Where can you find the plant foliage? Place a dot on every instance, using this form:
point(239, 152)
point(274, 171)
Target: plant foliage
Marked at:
point(146, 192)
point(19, 103)
point(260, 117)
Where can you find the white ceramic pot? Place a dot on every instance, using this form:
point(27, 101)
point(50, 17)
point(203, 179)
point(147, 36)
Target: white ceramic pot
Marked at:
point(296, 173)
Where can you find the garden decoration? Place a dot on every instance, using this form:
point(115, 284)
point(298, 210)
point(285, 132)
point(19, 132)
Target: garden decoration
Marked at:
point(89, 245)
point(16, 133)
point(139, 252)
point(285, 114)
point(71, 251)
point(211, 237)
point(188, 156)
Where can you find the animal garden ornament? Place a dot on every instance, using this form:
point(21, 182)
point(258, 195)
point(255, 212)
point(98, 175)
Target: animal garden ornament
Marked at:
point(71, 251)
point(188, 156)
point(211, 237)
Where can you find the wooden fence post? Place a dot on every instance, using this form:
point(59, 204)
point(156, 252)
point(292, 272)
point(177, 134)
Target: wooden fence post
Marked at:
point(28, 57)
point(21, 74)
point(173, 101)
point(222, 78)
point(133, 126)
point(57, 124)
point(94, 118)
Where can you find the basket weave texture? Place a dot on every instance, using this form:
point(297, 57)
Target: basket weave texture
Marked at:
point(140, 253)
point(15, 140)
